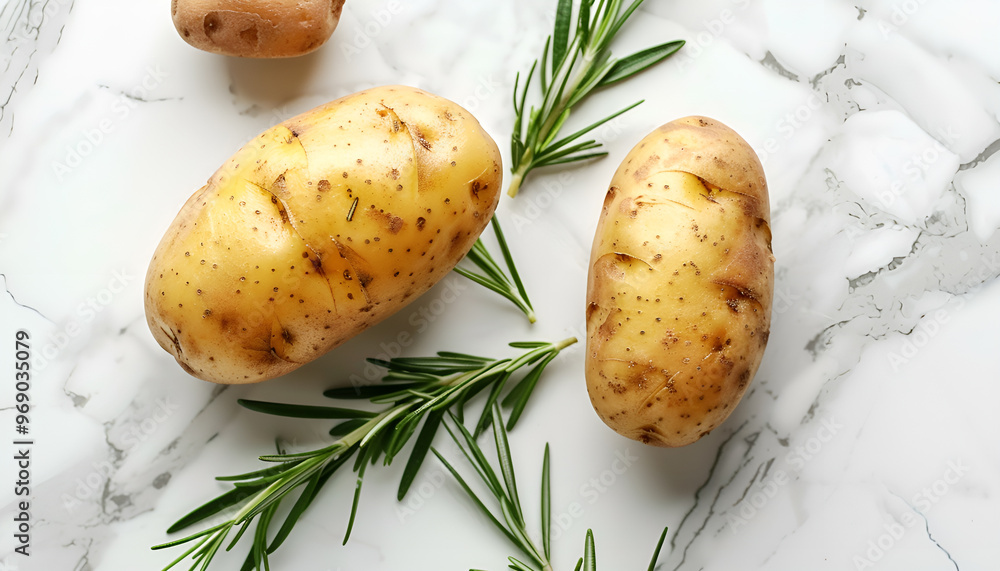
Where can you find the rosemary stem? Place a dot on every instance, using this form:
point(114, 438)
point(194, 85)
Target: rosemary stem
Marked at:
point(565, 343)
point(515, 181)
point(531, 315)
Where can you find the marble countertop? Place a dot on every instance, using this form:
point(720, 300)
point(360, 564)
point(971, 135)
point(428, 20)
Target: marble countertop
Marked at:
point(866, 441)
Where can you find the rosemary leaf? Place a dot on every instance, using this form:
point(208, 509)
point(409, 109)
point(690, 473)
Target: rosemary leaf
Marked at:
point(476, 457)
point(252, 475)
point(493, 277)
point(303, 411)
point(191, 537)
point(361, 392)
point(519, 396)
point(475, 499)
point(210, 508)
point(560, 33)
point(623, 17)
point(547, 507)
point(633, 64)
point(570, 138)
point(362, 464)
point(506, 463)
point(656, 552)
point(589, 553)
point(420, 447)
point(517, 565)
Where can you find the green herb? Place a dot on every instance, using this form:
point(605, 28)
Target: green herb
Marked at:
point(414, 391)
point(502, 485)
point(572, 66)
point(493, 276)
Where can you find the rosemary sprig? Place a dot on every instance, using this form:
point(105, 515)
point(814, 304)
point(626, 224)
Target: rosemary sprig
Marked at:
point(414, 391)
point(493, 276)
point(503, 488)
point(572, 66)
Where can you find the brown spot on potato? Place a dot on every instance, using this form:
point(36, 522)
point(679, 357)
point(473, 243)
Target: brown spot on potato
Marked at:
point(249, 36)
point(389, 221)
point(419, 136)
point(477, 186)
point(212, 24)
point(609, 198)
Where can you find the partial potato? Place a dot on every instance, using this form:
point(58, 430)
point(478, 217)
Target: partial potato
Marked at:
point(318, 228)
point(680, 284)
point(255, 28)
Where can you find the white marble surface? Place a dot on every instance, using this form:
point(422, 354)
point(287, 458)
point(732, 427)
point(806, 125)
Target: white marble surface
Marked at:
point(868, 439)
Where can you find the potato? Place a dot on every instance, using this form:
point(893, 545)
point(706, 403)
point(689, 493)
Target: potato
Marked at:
point(255, 28)
point(680, 284)
point(318, 228)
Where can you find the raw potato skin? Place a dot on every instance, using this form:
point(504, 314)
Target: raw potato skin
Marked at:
point(318, 228)
point(256, 28)
point(680, 284)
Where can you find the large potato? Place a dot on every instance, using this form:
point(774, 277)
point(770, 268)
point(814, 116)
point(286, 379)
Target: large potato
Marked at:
point(318, 228)
point(256, 28)
point(680, 284)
